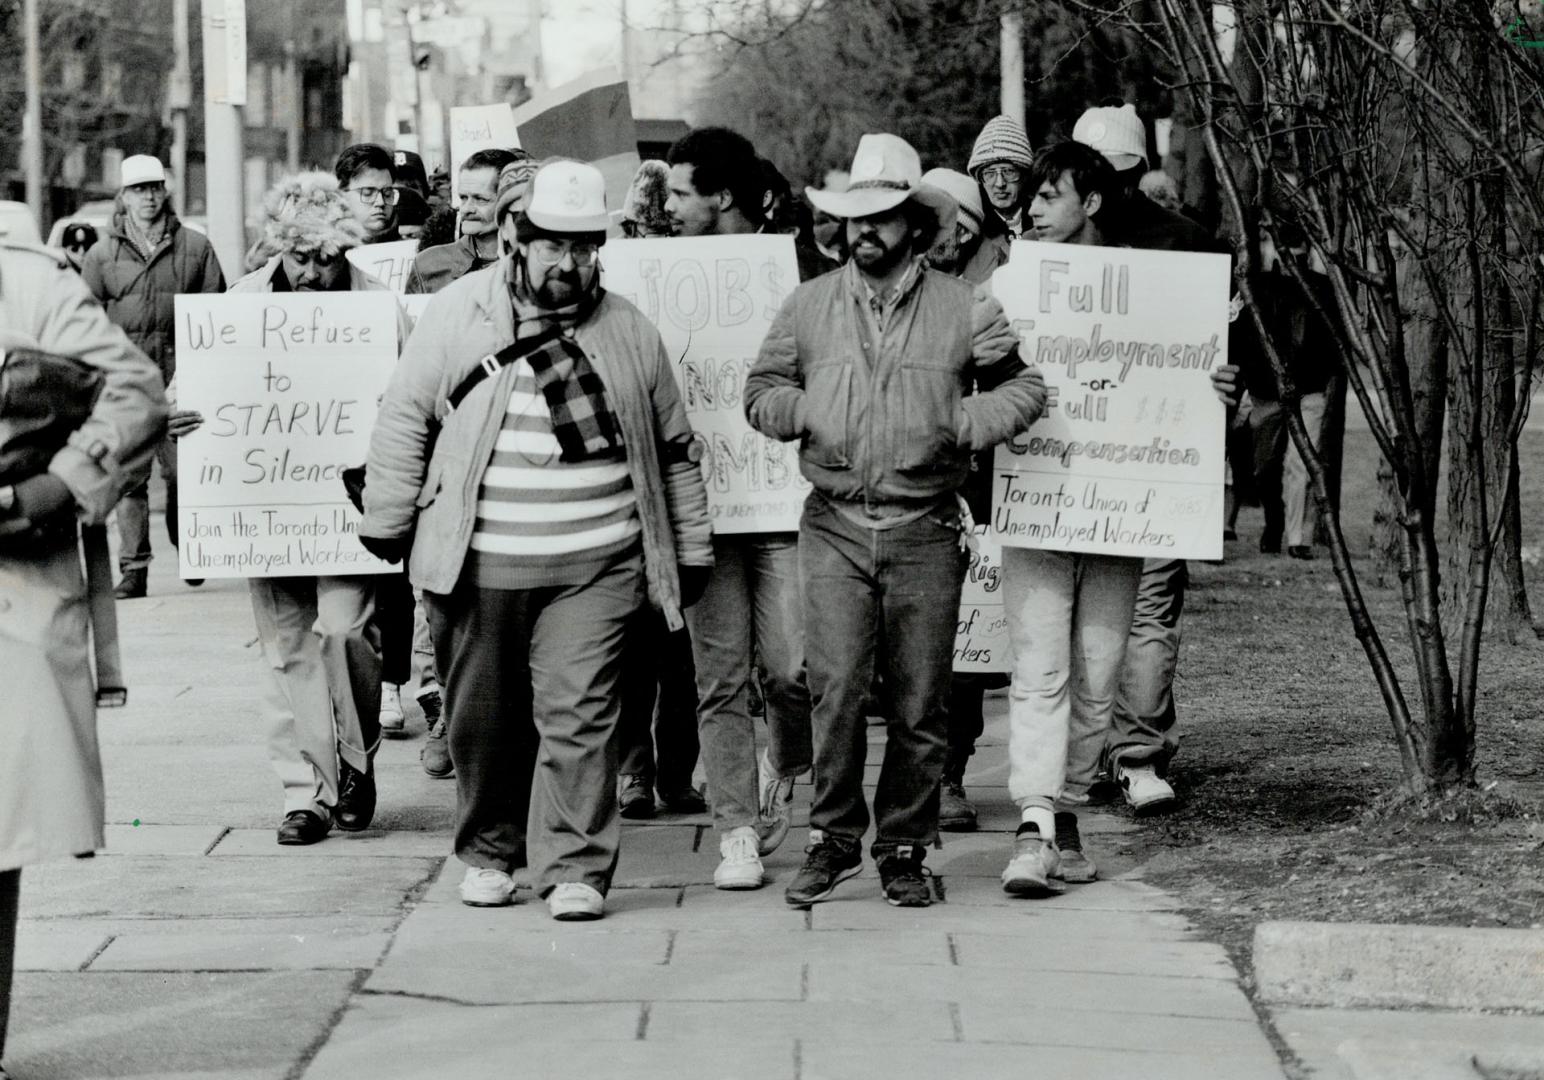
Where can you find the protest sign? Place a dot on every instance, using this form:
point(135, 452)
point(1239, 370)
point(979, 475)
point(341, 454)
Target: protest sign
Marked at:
point(712, 298)
point(981, 639)
point(588, 119)
point(1128, 459)
point(287, 384)
point(478, 127)
point(388, 263)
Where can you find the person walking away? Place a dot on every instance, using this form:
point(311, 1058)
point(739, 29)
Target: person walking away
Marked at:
point(477, 236)
point(145, 261)
point(751, 609)
point(558, 499)
point(868, 368)
point(316, 633)
point(53, 480)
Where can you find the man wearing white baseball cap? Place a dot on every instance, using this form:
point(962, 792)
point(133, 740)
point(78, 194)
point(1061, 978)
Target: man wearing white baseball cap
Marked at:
point(867, 367)
point(145, 260)
point(965, 251)
point(1144, 733)
point(559, 497)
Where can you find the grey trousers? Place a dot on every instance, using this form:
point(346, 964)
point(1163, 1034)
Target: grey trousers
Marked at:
point(324, 687)
point(1144, 729)
point(533, 700)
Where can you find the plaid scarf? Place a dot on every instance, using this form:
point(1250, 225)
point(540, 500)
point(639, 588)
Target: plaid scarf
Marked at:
point(146, 240)
point(582, 420)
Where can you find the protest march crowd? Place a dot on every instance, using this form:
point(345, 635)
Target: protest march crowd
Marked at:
point(547, 543)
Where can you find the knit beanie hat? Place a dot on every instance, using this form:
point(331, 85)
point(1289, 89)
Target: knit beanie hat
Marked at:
point(1116, 132)
point(307, 212)
point(1003, 139)
point(645, 202)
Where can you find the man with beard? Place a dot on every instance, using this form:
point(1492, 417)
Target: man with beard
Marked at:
point(559, 498)
point(751, 609)
point(316, 634)
point(960, 250)
point(477, 242)
point(868, 368)
point(145, 261)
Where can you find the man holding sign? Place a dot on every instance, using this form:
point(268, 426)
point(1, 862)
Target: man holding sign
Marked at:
point(314, 599)
point(1073, 506)
point(868, 368)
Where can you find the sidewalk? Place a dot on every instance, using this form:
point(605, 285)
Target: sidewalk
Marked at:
point(198, 948)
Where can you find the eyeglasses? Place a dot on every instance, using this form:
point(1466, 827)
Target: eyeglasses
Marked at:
point(551, 252)
point(368, 195)
point(1002, 173)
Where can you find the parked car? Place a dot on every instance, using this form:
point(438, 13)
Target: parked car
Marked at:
point(17, 224)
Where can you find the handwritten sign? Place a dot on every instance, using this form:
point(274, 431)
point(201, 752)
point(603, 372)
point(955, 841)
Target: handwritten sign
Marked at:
point(478, 127)
point(981, 640)
point(1128, 459)
point(287, 384)
point(713, 298)
point(388, 263)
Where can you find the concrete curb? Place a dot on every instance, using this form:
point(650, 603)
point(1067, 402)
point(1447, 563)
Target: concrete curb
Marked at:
point(1358, 965)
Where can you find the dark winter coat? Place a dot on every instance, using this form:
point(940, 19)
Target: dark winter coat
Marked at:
point(138, 294)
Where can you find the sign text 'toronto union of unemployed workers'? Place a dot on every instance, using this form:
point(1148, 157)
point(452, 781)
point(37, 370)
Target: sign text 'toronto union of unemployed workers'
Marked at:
point(1128, 458)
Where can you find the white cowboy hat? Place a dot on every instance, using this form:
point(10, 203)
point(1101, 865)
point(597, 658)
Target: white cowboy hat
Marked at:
point(886, 171)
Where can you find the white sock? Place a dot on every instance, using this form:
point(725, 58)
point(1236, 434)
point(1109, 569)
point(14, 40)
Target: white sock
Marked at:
point(1042, 818)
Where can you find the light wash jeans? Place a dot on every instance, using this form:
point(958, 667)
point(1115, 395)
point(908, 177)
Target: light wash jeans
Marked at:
point(1294, 475)
point(1145, 730)
point(324, 687)
point(751, 607)
point(1068, 619)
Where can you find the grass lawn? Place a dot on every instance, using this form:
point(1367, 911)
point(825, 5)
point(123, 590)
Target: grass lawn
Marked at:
point(1288, 759)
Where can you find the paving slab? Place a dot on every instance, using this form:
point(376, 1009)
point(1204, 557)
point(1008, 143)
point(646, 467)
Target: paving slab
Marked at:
point(1360, 964)
point(193, 948)
point(1117, 995)
point(812, 1022)
point(45, 947)
point(1049, 1024)
point(370, 843)
point(1044, 945)
point(991, 1061)
point(737, 949)
point(155, 839)
point(169, 1026)
point(1376, 1044)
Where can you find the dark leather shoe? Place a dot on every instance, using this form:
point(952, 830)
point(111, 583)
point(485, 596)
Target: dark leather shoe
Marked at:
point(356, 798)
point(132, 586)
point(1300, 552)
point(686, 800)
point(635, 799)
point(303, 827)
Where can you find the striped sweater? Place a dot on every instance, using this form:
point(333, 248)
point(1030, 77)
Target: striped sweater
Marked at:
point(542, 521)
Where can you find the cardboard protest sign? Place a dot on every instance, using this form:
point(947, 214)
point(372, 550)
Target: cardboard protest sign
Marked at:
point(981, 640)
point(287, 384)
point(713, 298)
point(478, 127)
point(588, 119)
point(388, 263)
point(1128, 459)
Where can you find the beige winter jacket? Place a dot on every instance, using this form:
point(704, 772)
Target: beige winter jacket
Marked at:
point(51, 795)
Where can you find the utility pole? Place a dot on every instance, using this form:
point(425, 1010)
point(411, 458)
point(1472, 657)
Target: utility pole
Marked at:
point(32, 120)
point(1013, 65)
point(296, 95)
point(181, 100)
point(225, 92)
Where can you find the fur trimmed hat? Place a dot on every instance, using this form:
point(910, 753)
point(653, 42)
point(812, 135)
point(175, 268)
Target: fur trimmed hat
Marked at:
point(645, 202)
point(307, 212)
point(1003, 139)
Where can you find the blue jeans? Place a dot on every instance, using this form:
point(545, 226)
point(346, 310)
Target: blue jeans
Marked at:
point(750, 609)
point(885, 600)
point(1145, 730)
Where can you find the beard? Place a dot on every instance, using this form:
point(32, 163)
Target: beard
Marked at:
point(874, 257)
point(559, 289)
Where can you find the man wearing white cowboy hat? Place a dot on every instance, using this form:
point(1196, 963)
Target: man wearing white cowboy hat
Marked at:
point(867, 367)
point(558, 498)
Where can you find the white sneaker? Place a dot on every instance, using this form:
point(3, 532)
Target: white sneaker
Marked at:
point(485, 887)
point(741, 868)
point(574, 901)
point(1146, 791)
point(776, 814)
point(392, 720)
point(1035, 862)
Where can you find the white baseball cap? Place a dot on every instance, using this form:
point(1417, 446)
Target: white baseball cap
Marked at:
point(568, 197)
point(1116, 132)
point(142, 169)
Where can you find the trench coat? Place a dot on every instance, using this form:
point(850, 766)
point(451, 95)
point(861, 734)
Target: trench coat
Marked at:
point(52, 799)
